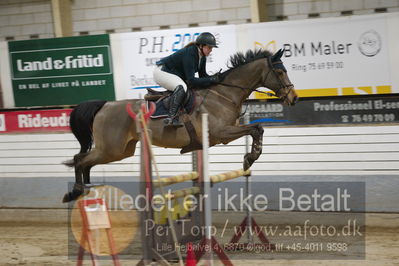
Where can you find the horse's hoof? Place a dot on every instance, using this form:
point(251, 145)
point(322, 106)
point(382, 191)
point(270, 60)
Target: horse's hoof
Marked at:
point(246, 165)
point(67, 197)
point(248, 161)
point(71, 196)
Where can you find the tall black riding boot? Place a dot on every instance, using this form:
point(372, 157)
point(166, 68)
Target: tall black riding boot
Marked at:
point(175, 102)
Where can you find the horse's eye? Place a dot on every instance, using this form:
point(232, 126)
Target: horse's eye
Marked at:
point(280, 72)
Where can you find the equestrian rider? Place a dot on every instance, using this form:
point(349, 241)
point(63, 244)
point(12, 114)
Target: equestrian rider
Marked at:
point(177, 70)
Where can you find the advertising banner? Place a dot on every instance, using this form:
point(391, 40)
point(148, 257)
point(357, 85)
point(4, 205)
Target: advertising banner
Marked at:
point(358, 110)
point(35, 121)
point(135, 55)
point(61, 71)
point(330, 57)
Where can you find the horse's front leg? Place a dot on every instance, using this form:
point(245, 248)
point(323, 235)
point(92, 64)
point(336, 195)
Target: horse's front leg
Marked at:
point(231, 133)
point(256, 149)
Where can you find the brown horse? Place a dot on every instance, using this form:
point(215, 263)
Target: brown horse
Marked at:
point(113, 132)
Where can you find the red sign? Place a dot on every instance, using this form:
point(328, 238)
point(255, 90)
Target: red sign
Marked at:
point(35, 121)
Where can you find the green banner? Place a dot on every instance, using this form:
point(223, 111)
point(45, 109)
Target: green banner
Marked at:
point(61, 71)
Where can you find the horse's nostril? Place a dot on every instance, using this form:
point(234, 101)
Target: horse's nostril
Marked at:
point(295, 100)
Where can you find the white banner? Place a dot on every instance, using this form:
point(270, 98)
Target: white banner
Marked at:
point(134, 55)
point(330, 57)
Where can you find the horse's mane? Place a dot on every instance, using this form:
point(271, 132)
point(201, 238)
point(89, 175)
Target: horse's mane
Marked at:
point(240, 58)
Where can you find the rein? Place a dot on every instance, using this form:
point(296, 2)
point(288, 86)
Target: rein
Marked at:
point(239, 87)
point(275, 94)
point(272, 69)
point(224, 97)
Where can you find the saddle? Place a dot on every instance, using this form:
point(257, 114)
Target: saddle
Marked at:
point(162, 102)
point(153, 95)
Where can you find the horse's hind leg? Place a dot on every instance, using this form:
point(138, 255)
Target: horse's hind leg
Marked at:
point(115, 148)
point(82, 172)
point(78, 187)
point(99, 157)
point(86, 174)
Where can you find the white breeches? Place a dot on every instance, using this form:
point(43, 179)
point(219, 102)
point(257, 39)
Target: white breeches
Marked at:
point(167, 80)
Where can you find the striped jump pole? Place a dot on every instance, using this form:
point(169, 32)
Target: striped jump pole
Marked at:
point(167, 181)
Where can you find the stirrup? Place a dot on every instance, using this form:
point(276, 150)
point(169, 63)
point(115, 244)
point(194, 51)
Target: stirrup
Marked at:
point(172, 122)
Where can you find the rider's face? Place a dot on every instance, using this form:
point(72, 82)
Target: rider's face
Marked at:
point(206, 50)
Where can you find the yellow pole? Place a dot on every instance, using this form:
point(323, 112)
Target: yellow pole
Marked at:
point(166, 181)
point(229, 175)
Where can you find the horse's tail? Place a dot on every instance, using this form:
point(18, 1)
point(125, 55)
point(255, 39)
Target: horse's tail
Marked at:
point(81, 122)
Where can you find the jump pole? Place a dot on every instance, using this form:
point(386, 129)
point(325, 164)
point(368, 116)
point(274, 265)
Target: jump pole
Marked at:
point(204, 181)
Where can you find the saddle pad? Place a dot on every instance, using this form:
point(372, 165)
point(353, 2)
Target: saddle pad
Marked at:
point(161, 110)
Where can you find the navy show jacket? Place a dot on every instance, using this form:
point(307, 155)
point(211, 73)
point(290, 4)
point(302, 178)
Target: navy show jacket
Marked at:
point(185, 63)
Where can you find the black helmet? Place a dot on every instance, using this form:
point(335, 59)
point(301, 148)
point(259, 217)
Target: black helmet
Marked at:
point(206, 38)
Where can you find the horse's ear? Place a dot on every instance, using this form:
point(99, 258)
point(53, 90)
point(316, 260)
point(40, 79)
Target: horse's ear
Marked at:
point(277, 56)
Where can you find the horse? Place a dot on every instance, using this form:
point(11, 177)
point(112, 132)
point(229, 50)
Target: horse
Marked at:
point(114, 134)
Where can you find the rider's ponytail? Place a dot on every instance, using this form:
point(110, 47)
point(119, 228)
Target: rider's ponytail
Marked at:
point(190, 44)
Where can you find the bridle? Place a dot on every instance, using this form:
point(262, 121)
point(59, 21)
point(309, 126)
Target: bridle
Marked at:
point(288, 87)
point(277, 92)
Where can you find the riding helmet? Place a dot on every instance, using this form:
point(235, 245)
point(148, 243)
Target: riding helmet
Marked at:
point(206, 38)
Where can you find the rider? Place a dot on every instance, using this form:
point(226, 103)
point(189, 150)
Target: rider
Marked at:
point(177, 70)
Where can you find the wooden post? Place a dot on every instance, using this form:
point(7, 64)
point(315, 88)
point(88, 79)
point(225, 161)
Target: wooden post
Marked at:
point(259, 11)
point(62, 17)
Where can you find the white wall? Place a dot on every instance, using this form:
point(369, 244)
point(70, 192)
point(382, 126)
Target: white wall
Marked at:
point(302, 9)
point(321, 151)
point(22, 18)
point(97, 16)
point(32, 176)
